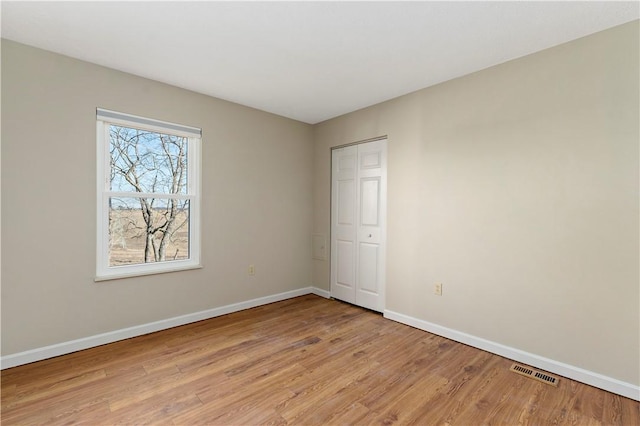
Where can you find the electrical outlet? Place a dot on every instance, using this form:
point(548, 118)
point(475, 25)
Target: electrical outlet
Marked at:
point(251, 270)
point(437, 289)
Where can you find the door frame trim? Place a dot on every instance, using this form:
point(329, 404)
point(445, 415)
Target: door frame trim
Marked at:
point(377, 138)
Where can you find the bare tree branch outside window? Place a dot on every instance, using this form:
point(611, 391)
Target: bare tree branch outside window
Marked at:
point(148, 220)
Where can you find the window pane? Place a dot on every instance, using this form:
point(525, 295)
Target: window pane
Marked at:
point(145, 161)
point(147, 230)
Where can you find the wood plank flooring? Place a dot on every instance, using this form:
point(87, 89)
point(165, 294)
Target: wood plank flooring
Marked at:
point(305, 361)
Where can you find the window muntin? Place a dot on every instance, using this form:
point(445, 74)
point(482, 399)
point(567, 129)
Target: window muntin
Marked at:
point(148, 196)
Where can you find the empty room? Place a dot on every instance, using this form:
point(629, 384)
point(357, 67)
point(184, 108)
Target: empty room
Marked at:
point(319, 213)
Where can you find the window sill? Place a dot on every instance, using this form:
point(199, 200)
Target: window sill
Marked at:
point(117, 276)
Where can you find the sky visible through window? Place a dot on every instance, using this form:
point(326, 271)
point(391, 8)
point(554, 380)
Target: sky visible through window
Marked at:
point(143, 161)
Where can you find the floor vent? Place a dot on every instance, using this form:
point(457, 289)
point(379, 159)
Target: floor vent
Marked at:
point(534, 374)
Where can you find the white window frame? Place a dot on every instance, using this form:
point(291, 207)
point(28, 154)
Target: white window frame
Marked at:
point(105, 118)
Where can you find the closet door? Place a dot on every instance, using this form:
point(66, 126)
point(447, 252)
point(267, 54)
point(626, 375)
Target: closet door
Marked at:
point(343, 223)
point(358, 218)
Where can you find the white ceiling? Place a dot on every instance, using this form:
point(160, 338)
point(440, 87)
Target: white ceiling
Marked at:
point(309, 61)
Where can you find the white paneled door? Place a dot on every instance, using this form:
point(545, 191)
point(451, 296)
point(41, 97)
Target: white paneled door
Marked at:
point(358, 223)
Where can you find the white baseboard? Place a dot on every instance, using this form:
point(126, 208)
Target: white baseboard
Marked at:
point(594, 379)
point(58, 349)
point(320, 292)
point(576, 373)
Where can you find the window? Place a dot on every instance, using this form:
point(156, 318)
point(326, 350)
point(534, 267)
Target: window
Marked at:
point(148, 196)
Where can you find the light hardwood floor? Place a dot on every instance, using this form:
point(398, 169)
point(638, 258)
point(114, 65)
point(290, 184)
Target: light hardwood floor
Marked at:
point(307, 361)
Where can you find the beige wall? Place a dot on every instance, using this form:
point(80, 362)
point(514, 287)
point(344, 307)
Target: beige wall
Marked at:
point(517, 188)
point(253, 211)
